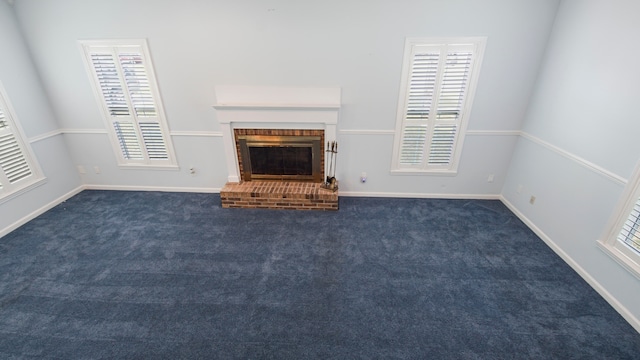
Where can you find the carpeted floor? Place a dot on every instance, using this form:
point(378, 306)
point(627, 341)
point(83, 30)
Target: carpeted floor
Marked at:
point(133, 275)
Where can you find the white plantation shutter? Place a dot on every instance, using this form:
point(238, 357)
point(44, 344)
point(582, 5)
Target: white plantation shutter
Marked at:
point(422, 82)
point(129, 95)
point(622, 238)
point(413, 139)
point(434, 99)
point(135, 76)
point(16, 168)
point(630, 233)
point(12, 160)
point(110, 84)
point(153, 140)
point(128, 140)
point(442, 144)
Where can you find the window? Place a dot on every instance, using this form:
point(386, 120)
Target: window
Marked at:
point(125, 85)
point(622, 240)
point(438, 82)
point(18, 171)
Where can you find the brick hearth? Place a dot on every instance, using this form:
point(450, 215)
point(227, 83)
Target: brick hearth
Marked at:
point(278, 195)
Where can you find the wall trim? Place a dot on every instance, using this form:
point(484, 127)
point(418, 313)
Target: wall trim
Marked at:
point(196, 133)
point(494, 132)
point(220, 134)
point(366, 132)
point(393, 132)
point(621, 309)
point(84, 131)
point(580, 161)
point(104, 131)
point(420, 195)
point(44, 136)
point(34, 214)
point(151, 188)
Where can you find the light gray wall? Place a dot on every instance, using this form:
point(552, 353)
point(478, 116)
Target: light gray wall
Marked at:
point(357, 45)
point(583, 144)
point(35, 116)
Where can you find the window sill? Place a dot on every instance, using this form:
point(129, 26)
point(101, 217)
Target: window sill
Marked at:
point(20, 191)
point(422, 172)
point(621, 258)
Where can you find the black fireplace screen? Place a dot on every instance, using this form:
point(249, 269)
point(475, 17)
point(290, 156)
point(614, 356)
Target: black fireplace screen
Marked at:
point(278, 160)
point(271, 157)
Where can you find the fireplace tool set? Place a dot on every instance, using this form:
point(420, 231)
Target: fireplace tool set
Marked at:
point(331, 183)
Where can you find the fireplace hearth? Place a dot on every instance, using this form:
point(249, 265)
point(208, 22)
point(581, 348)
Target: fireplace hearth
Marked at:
point(277, 176)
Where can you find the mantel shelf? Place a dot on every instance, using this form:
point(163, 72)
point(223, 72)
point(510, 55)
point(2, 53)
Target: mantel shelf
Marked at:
point(255, 106)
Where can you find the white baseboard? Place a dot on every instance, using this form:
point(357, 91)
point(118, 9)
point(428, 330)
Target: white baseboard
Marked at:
point(621, 309)
point(34, 214)
point(151, 188)
point(420, 195)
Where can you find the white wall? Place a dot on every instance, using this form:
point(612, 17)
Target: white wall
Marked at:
point(30, 103)
point(357, 45)
point(581, 139)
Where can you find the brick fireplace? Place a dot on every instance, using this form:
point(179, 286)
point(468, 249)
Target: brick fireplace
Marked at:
point(288, 126)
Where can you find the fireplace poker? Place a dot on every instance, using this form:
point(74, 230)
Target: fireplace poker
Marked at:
point(335, 161)
point(330, 162)
point(329, 172)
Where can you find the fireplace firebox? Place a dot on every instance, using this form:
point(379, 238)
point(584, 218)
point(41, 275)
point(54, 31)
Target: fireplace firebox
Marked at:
point(280, 157)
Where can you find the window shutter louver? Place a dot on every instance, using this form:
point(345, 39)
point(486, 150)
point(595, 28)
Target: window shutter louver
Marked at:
point(17, 168)
point(3, 124)
point(110, 84)
point(451, 95)
point(12, 160)
point(630, 233)
point(435, 96)
point(135, 76)
point(154, 141)
point(442, 144)
point(128, 138)
point(453, 86)
point(129, 93)
point(422, 85)
point(413, 140)
point(424, 71)
point(3, 120)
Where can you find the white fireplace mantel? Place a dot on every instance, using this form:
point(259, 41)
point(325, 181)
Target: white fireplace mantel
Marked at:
point(253, 107)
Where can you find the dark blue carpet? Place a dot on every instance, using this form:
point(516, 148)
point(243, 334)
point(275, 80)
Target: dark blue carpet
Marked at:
point(111, 274)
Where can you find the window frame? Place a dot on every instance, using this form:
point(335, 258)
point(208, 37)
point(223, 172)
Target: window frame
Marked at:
point(8, 190)
point(609, 243)
point(477, 45)
point(113, 46)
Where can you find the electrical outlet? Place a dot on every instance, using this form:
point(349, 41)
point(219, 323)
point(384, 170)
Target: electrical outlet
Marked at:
point(97, 169)
point(81, 169)
point(363, 177)
point(192, 170)
point(532, 200)
point(519, 190)
point(490, 178)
